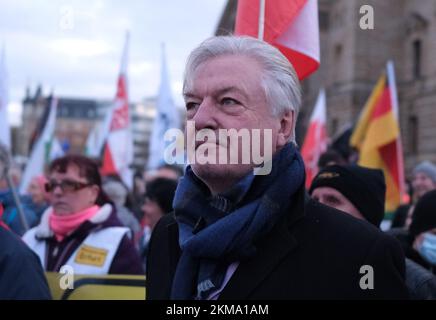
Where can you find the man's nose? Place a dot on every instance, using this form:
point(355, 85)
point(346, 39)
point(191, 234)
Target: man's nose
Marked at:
point(205, 115)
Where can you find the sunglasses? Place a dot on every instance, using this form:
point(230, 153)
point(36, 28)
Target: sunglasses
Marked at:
point(66, 185)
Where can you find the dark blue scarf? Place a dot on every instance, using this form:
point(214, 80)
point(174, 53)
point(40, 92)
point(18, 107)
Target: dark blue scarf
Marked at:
point(211, 239)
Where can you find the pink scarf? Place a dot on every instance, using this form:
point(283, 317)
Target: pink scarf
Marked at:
point(64, 225)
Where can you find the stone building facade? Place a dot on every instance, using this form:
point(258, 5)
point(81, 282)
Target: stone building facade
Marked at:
point(352, 59)
point(76, 118)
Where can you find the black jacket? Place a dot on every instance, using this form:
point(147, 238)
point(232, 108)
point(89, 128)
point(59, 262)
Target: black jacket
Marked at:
point(315, 252)
point(400, 216)
point(21, 274)
point(420, 282)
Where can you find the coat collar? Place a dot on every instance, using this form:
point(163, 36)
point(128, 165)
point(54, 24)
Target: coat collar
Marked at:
point(43, 229)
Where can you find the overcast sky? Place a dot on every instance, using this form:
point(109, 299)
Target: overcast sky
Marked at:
point(75, 46)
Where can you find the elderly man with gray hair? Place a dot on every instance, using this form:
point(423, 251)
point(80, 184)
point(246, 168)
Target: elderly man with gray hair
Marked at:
point(236, 233)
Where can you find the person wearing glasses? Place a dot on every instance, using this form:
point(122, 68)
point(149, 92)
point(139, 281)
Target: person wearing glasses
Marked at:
point(80, 228)
point(246, 230)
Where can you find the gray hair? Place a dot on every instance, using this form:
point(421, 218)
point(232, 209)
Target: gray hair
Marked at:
point(280, 82)
point(427, 168)
point(116, 192)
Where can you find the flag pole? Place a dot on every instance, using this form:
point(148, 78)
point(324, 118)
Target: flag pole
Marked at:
point(394, 99)
point(261, 19)
point(392, 87)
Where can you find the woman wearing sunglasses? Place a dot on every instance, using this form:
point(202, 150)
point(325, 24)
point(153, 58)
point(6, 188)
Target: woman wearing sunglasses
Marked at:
point(81, 228)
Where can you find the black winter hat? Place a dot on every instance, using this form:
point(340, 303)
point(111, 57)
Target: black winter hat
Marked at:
point(424, 214)
point(365, 188)
point(162, 191)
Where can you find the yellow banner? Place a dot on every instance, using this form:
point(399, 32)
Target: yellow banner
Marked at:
point(94, 287)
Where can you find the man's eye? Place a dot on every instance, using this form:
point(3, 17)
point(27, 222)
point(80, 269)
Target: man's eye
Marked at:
point(191, 105)
point(229, 101)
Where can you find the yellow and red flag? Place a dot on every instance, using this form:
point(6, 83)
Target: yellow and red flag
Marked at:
point(377, 137)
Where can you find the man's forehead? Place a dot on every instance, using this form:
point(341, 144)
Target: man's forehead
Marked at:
point(215, 89)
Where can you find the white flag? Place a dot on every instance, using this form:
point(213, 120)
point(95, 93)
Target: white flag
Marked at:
point(56, 150)
point(41, 152)
point(167, 117)
point(97, 137)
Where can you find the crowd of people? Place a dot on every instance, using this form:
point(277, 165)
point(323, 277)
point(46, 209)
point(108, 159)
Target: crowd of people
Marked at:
point(218, 231)
point(79, 219)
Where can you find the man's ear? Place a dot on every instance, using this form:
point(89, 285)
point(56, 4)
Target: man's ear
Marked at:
point(287, 124)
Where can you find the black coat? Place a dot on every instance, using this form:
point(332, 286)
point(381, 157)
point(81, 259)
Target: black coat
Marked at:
point(21, 274)
point(420, 282)
point(315, 252)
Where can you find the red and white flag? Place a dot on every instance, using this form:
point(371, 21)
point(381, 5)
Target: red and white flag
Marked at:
point(315, 142)
point(290, 25)
point(118, 150)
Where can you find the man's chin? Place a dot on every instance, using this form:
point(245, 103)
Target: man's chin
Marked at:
point(221, 171)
